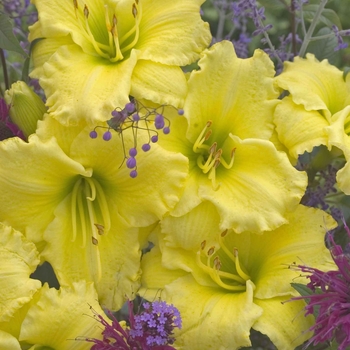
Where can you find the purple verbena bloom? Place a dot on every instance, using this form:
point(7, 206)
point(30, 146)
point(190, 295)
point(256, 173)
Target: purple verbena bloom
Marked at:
point(331, 298)
point(152, 329)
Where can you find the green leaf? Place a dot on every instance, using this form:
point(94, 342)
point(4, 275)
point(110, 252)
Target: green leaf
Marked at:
point(302, 289)
point(8, 41)
point(324, 48)
point(346, 70)
point(328, 16)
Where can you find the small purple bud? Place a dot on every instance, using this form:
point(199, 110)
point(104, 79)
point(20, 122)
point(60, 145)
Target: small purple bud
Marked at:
point(136, 117)
point(107, 135)
point(146, 147)
point(154, 138)
point(166, 130)
point(159, 121)
point(133, 174)
point(131, 163)
point(130, 107)
point(180, 111)
point(93, 134)
point(132, 152)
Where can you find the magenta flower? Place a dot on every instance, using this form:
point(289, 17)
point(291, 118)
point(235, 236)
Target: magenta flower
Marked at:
point(152, 329)
point(330, 298)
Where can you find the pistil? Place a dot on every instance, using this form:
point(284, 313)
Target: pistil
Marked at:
point(90, 217)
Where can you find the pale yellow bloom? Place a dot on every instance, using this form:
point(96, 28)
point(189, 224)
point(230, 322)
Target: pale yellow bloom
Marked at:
point(225, 135)
point(96, 53)
point(318, 94)
point(224, 283)
point(70, 195)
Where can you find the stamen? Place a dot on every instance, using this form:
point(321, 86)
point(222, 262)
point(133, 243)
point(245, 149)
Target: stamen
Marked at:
point(74, 209)
point(223, 162)
point(198, 145)
point(238, 266)
point(90, 207)
point(91, 37)
point(137, 13)
point(215, 273)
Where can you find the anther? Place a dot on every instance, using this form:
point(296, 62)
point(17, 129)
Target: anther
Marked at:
point(86, 12)
point(100, 229)
point(211, 251)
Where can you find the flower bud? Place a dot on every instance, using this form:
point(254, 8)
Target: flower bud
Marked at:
point(26, 107)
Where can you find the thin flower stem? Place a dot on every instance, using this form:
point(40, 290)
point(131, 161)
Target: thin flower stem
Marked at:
point(311, 29)
point(4, 70)
point(268, 41)
point(221, 25)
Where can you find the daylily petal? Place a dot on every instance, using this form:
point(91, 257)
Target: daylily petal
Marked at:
point(42, 51)
point(92, 94)
point(188, 231)
point(8, 341)
point(287, 330)
point(237, 95)
point(61, 317)
point(155, 274)
point(275, 251)
point(31, 189)
point(19, 258)
point(175, 39)
point(277, 190)
point(315, 85)
point(150, 81)
point(299, 130)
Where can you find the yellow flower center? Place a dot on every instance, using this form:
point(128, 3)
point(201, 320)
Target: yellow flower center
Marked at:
point(90, 217)
point(116, 47)
point(210, 157)
point(223, 266)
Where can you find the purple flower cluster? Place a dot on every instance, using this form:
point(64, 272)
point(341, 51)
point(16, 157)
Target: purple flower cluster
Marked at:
point(152, 329)
point(330, 298)
point(156, 324)
point(131, 116)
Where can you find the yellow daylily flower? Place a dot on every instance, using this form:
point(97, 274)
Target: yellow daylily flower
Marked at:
point(62, 319)
point(225, 134)
point(71, 196)
point(96, 53)
point(226, 283)
point(19, 258)
point(317, 94)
